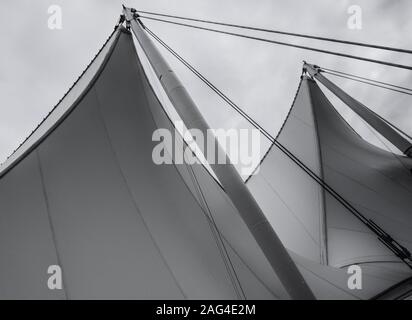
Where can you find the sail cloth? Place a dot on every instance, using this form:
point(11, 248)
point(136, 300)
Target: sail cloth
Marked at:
point(86, 195)
point(313, 224)
point(83, 192)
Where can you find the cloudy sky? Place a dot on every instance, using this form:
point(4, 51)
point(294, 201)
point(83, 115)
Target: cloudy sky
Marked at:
point(38, 65)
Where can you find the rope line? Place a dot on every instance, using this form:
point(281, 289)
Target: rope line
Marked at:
point(369, 83)
point(367, 79)
point(65, 94)
point(300, 35)
point(400, 251)
point(218, 239)
point(343, 74)
point(339, 54)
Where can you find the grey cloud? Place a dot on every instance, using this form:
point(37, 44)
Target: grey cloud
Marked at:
point(38, 65)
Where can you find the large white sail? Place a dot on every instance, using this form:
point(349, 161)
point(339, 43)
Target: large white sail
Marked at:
point(83, 192)
point(308, 219)
point(86, 195)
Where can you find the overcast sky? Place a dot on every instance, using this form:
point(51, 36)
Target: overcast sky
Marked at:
point(38, 65)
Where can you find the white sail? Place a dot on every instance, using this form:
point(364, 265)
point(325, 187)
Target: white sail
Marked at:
point(84, 193)
point(308, 219)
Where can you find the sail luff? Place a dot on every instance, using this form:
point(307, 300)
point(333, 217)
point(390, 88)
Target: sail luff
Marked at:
point(66, 104)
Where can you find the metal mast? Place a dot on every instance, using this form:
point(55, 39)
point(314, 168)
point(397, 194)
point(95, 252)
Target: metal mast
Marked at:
point(250, 212)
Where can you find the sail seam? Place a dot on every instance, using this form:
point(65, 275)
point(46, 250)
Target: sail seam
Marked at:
point(132, 198)
point(322, 203)
point(205, 213)
point(291, 211)
point(51, 224)
point(197, 200)
point(218, 239)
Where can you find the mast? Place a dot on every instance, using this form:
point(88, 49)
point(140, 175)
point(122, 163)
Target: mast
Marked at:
point(369, 116)
point(249, 210)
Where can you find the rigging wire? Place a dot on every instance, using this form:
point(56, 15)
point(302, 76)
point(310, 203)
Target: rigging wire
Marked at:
point(397, 157)
point(377, 84)
point(367, 79)
point(323, 69)
point(301, 35)
point(369, 83)
point(400, 251)
point(237, 285)
point(335, 53)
